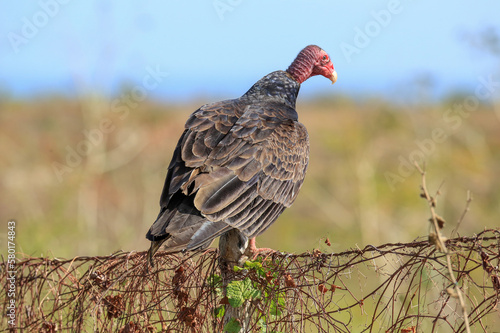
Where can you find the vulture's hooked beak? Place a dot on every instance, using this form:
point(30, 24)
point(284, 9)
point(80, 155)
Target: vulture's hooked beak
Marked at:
point(334, 77)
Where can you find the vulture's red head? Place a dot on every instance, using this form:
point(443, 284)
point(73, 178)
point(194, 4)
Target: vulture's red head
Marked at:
point(312, 60)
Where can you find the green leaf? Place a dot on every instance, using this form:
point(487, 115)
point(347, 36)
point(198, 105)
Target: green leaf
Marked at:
point(252, 264)
point(250, 292)
point(274, 310)
point(238, 269)
point(232, 326)
point(219, 311)
point(257, 266)
point(234, 293)
point(277, 305)
point(214, 280)
point(239, 291)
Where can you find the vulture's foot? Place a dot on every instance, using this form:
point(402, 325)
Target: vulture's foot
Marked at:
point(253, 252)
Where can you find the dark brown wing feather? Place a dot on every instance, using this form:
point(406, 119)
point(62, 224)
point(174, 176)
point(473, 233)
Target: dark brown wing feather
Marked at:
point(255, 171)
point(238, 166)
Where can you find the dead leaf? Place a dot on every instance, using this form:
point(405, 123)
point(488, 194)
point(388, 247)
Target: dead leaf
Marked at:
point(412, 329)
point(496, 283)
point(289, 282)
point(322, 288)
point(334, 287)
point(115, 305)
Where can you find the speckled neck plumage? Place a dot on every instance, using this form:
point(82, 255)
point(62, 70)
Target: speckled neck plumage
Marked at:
point(277, 86)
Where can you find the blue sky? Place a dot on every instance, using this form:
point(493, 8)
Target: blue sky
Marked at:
point(218, 49)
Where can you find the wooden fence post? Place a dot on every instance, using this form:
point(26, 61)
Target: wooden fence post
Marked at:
point(232, 245)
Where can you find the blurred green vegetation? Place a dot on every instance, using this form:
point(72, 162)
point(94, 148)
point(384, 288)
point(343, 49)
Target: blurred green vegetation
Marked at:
point(83, 178)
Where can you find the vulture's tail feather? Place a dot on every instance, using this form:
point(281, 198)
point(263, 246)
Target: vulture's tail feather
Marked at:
point(155, 245)
point(175, 225)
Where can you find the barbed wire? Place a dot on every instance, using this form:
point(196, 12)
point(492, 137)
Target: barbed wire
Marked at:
point(397, 287)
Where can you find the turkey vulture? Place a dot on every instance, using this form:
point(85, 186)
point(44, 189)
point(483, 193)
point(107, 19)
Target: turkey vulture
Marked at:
point(239, 162)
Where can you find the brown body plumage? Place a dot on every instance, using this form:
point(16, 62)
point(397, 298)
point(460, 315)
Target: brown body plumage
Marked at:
point(238, 164)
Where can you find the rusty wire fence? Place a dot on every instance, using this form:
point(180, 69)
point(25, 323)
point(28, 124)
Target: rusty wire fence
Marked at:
point(388, 288)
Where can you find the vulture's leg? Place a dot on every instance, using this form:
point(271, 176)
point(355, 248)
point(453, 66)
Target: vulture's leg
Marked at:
point(252, 251)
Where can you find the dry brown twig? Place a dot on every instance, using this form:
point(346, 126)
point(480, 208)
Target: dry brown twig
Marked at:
point(395, 287)
point(466, 209)
point(323, 292)
point(437, 239)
